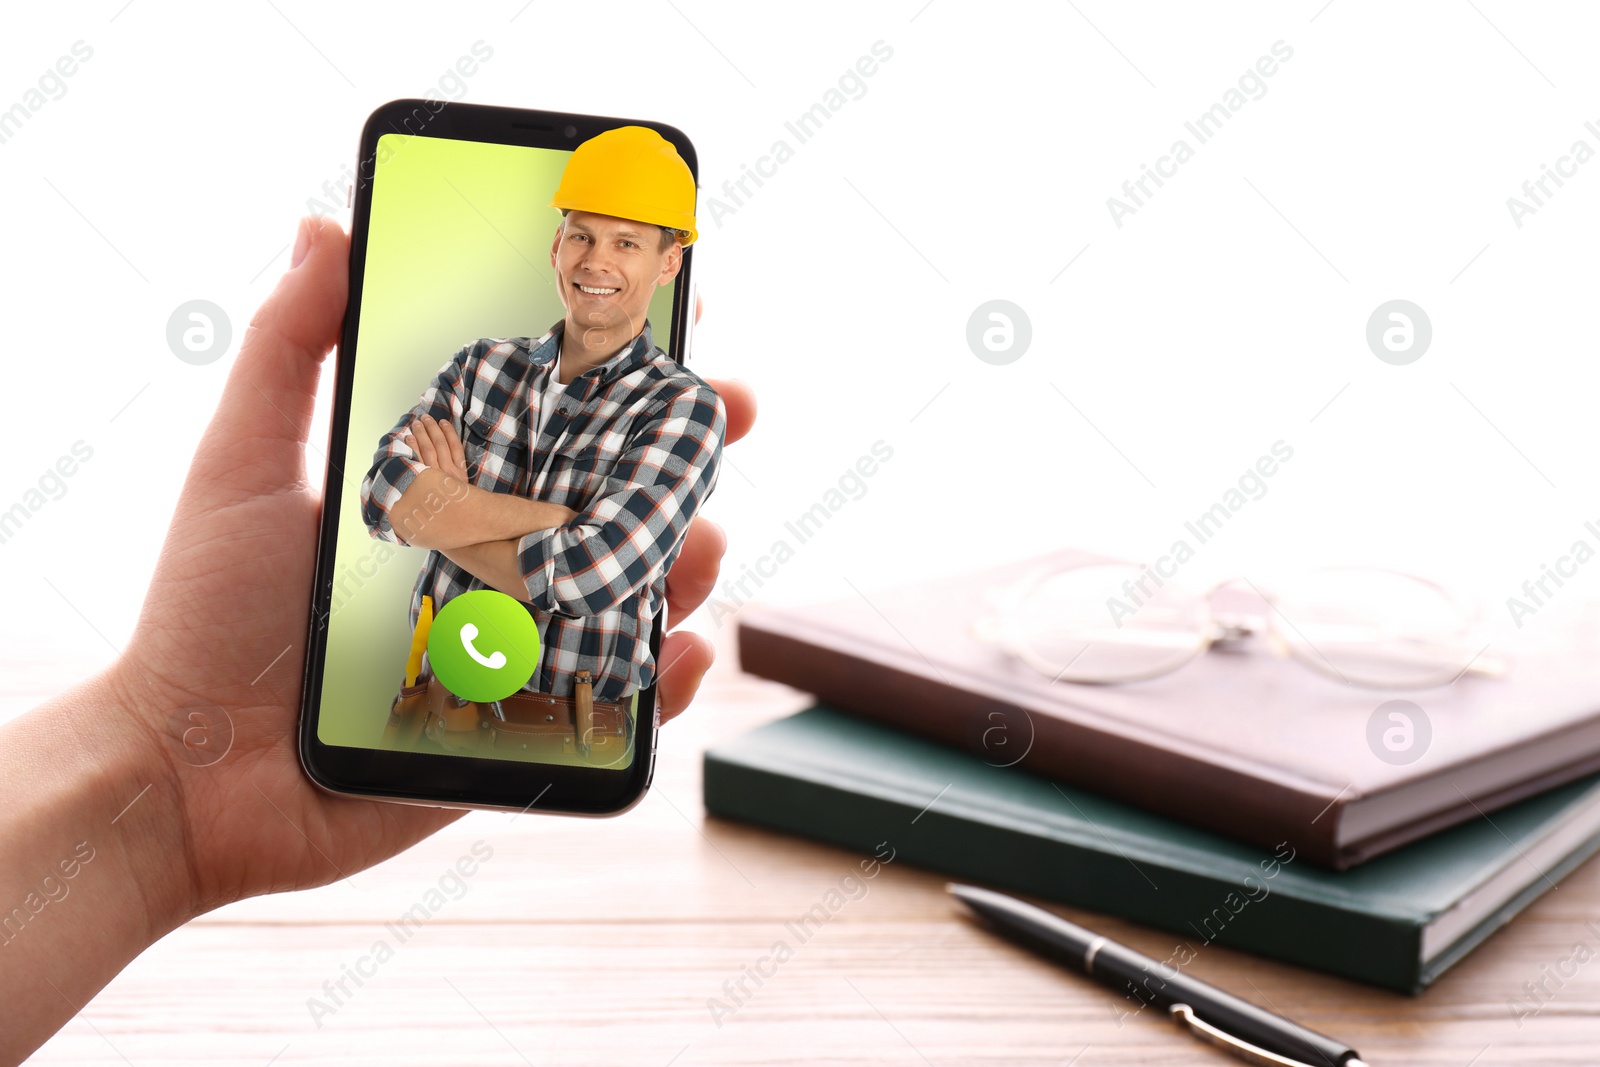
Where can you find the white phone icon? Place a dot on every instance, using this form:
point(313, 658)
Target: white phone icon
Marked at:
point(469, 633)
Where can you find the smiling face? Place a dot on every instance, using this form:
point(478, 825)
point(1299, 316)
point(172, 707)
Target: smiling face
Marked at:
point(606, 271)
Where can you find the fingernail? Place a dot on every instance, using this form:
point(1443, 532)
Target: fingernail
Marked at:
point(302, 244)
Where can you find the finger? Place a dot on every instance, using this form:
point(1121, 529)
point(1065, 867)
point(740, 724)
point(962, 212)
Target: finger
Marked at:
point(458, 451)
point(694, 573)
point(424, 441)
point(256, 440)
point(439, 442)
point(699, 306)
point(740, 401)
point(687, 657)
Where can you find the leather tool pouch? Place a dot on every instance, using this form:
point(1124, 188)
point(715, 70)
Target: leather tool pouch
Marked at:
point(544, 726)
point(536, 725)
point(406, 716)
point(454, 724)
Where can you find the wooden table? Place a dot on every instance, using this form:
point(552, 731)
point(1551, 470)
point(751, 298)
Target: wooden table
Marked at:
point(600, 942)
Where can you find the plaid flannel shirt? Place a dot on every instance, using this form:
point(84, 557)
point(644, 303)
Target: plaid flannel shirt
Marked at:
point(634, 446)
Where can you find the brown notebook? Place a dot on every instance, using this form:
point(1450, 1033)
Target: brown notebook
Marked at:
point(1243, 743)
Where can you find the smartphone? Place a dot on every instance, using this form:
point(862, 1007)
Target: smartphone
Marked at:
point(489, 595)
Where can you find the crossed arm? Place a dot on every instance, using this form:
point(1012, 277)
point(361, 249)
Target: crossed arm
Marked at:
point(474, 528)
point(565, 562)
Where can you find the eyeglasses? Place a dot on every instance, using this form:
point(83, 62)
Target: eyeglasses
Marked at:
point(1105, 624)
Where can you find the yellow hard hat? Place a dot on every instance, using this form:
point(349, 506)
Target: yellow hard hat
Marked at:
point(630, 172)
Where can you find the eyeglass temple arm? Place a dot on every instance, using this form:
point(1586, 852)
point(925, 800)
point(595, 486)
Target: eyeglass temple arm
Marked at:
point(1485, 664)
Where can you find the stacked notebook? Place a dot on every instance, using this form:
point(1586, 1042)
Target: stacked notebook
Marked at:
point(1234, 801)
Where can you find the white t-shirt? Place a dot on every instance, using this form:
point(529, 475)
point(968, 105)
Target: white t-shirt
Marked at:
point(549, 398)
point(553, 391)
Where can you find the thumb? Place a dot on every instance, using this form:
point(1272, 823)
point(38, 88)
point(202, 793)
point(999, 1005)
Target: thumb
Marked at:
point(256, 440)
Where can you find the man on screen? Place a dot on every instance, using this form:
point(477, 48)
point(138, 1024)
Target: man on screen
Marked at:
point(584, 453)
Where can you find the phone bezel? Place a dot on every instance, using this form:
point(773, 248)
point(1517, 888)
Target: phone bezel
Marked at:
point(462, 780)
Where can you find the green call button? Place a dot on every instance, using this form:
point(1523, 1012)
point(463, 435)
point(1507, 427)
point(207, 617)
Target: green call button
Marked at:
point(484, 645)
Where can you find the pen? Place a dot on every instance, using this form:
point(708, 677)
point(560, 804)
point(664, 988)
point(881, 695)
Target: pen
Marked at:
point(1213, 1016)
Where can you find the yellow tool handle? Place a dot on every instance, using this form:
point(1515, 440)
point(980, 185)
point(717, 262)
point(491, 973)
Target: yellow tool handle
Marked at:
point(419, 640)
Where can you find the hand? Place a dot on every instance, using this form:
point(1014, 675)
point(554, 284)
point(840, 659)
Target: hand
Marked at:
point(437, 445)
point(224, 623)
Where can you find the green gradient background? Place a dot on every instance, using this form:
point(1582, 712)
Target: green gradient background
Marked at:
point(458, 248)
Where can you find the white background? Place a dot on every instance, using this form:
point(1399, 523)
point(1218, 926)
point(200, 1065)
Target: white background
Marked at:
point(1229, 312)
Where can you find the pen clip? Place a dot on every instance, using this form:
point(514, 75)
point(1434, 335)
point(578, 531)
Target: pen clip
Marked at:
point(1222, 1039)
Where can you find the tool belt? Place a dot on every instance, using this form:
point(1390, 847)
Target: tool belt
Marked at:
point(427, 716)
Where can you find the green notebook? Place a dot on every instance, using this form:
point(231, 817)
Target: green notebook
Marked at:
point(1398, 921)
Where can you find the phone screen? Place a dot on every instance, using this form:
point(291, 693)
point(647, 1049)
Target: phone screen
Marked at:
point(461, 317)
